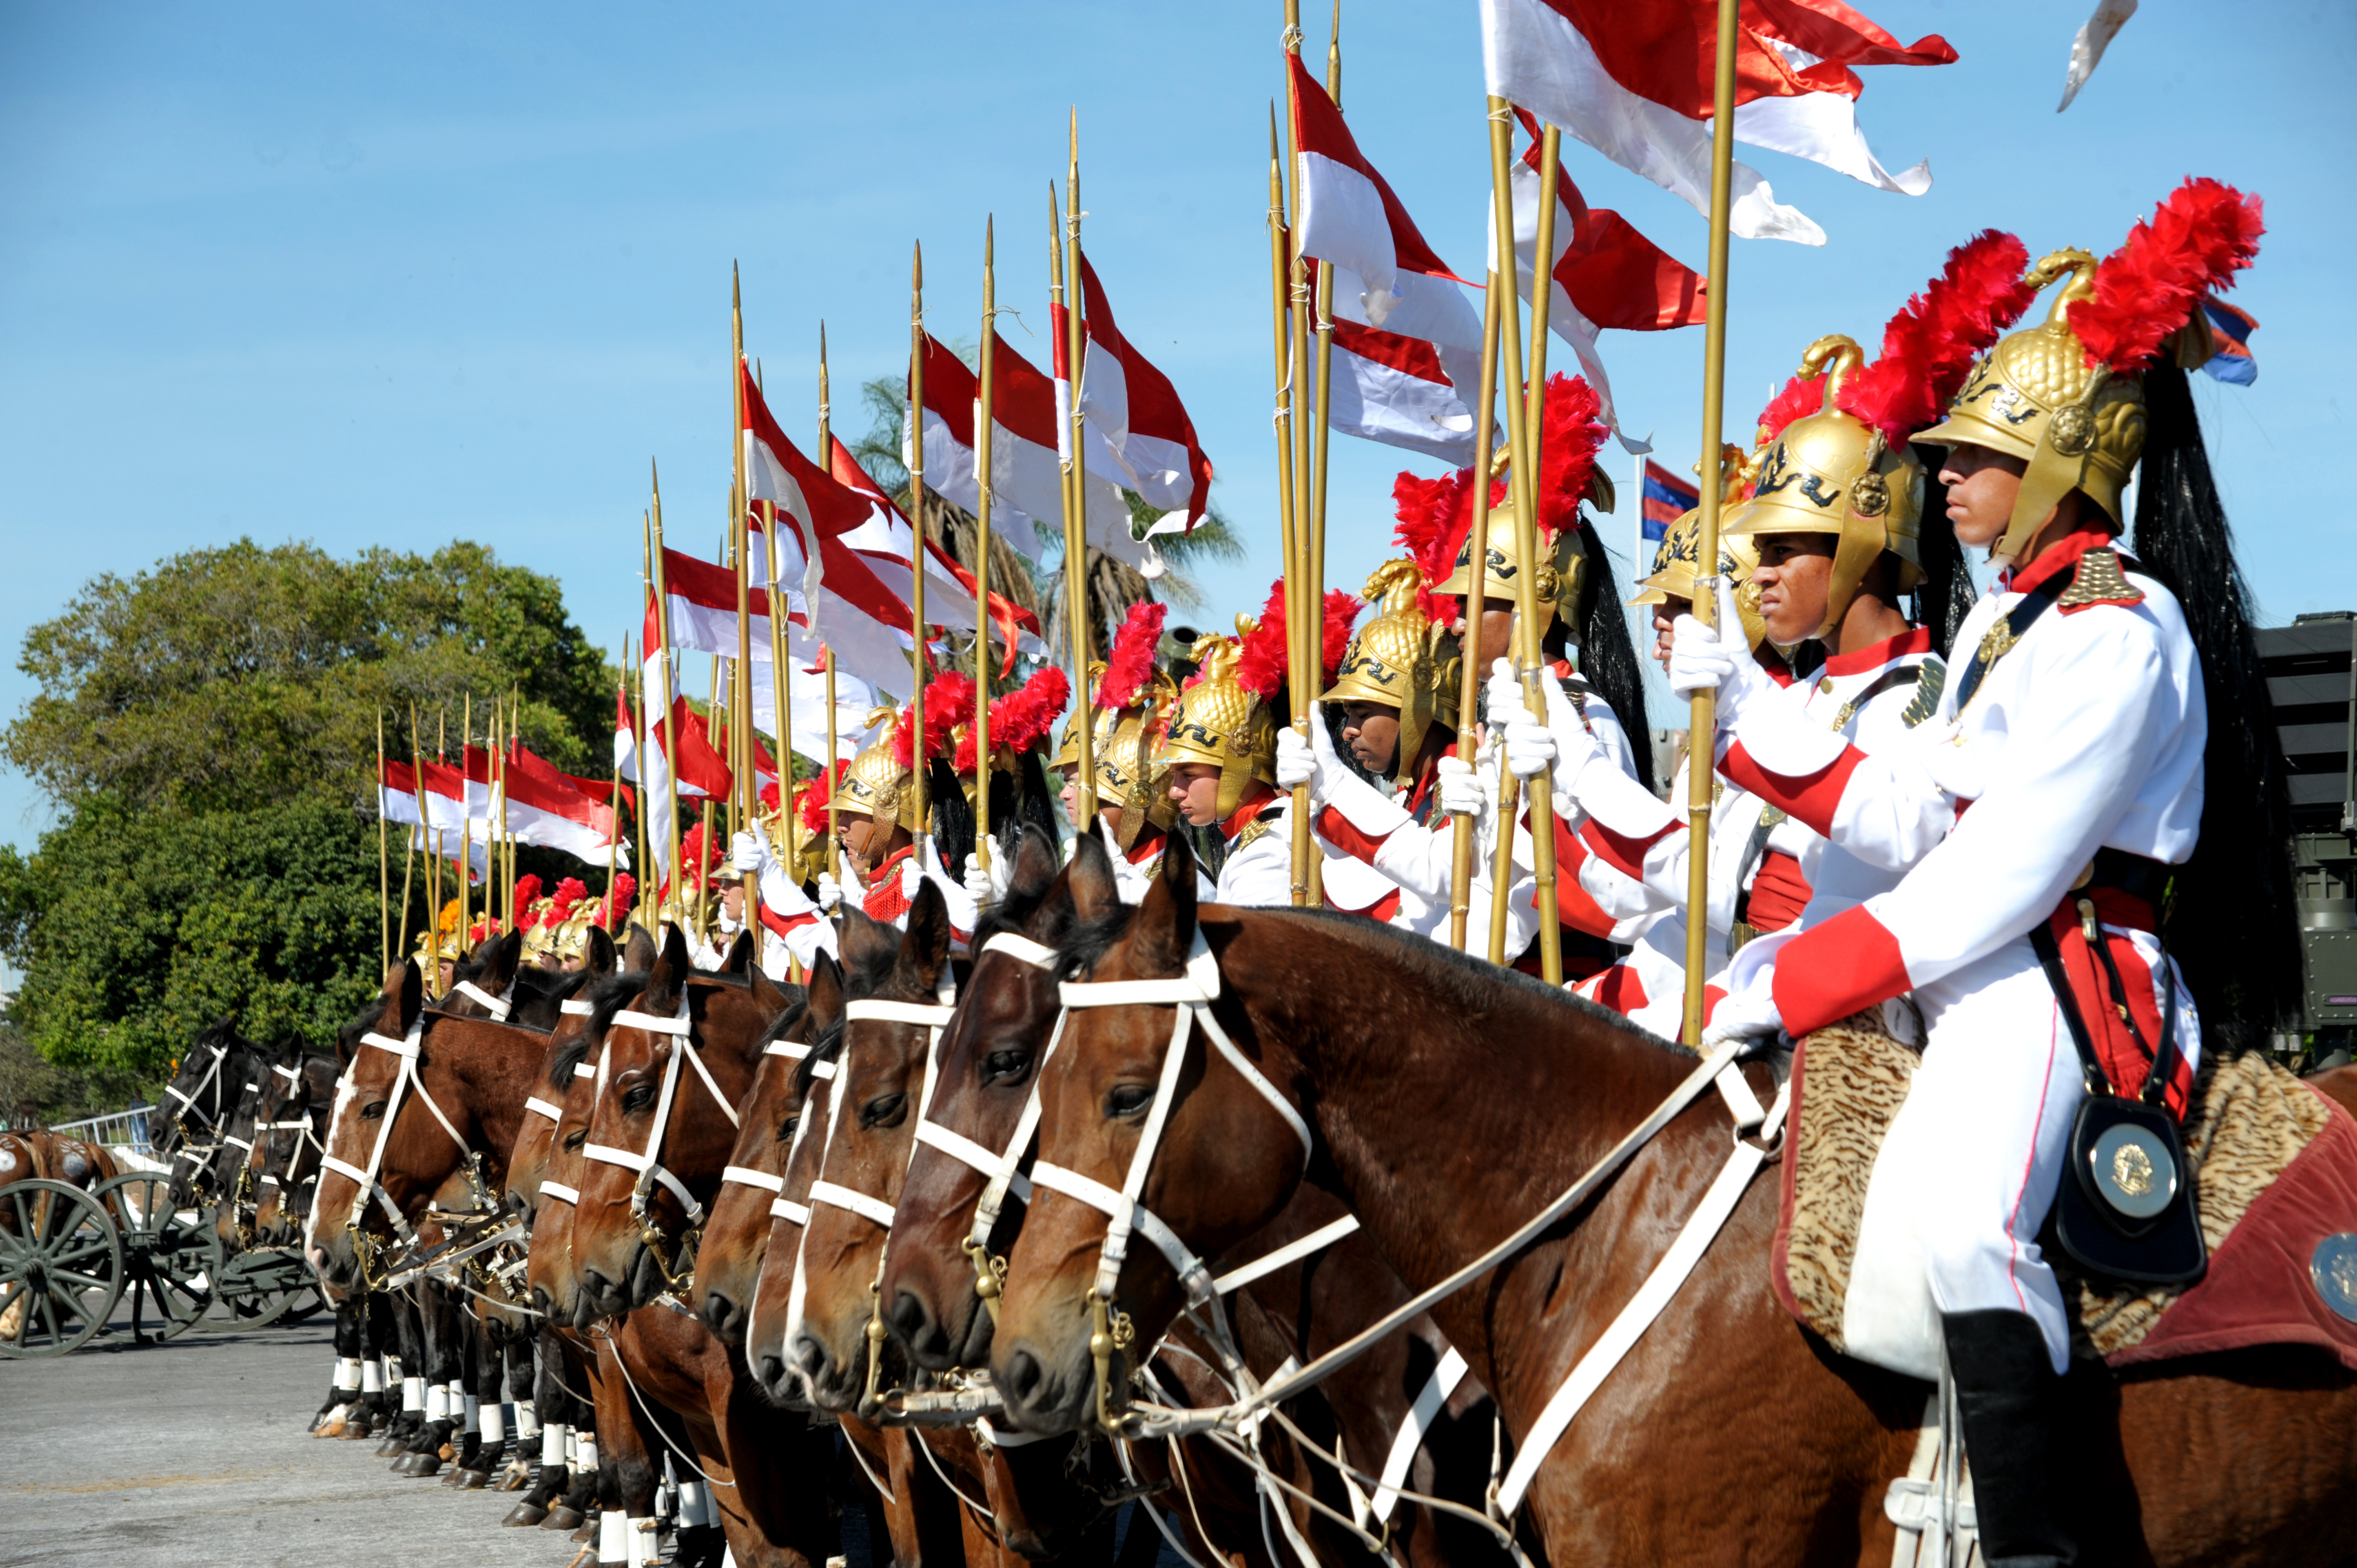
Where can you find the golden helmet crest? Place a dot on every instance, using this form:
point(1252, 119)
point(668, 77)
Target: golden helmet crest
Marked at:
point(1400, 658)
point(878, 778)
point(1829, 472)
point(1132, 773)
point(1101, 723)
point(2035, 397)
point(1220, 725)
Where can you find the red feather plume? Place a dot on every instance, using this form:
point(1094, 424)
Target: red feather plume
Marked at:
point(569, 892)
point(1261, 658)
point(527, 890)
point(1567, 464)
point(1022, 718)
point(1802, 396)
point(811, 798)
point(2200, 236)
point(1341, 609)
point(1434, 517)
point(1132, 658)
point(1929, 347)
point(618, 899)
point(948, 703)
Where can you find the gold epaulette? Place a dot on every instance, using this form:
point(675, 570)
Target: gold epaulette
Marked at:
point(2098, 580)
point(1255, 831)
point(1930, 681)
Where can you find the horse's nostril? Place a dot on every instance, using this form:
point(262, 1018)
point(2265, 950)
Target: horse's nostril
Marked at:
point(716, 1310)
point(909, 1319)
point(810, 1356)
point(772, 1372)
point(541, 1300)
point(1024, 1375)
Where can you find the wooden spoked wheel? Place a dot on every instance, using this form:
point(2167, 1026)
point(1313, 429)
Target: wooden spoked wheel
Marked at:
point(167, 1253)
point(60, 1268)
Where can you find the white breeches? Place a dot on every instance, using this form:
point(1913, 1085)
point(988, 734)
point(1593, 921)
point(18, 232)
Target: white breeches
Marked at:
point(1976, 1155)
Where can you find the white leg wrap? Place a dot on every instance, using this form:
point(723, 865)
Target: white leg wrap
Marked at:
point(527, 1419)
point(693, 1510)
point(586, 1458)
point(641, 1543)
point(413, 1393)
point(347, 1374)
point(371, 1377)
point(554, 1443)
point(495, 1424)
point(472, 1409)
point(438, 1402)
point(728, 1557)
point(613, 1531)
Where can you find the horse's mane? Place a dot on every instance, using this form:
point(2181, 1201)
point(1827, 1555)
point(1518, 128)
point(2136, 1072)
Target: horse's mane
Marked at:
point(826, 1047)
point(1464, 981)
point(612, 992)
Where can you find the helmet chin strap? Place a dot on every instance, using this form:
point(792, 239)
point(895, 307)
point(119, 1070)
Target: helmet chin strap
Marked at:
point(2055, 470)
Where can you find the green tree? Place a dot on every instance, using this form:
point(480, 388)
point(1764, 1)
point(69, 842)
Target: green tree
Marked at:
point(207, 732)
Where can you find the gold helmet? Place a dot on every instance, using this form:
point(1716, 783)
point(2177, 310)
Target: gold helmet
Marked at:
point(1830, 472)
point(1672, 576)
point(1101, 724)
point(1402, 659)
point(2035, 396)
point(879, 777)
point(1131, 772)
point(1222, 724)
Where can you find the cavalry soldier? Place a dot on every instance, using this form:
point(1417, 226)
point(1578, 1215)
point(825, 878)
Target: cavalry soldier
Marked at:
point(1133, 699)
point(798, 927)
point(2079, 734)
point(1220, 758)
point(1016, 777)
point(880, 862)
point(1396, 681)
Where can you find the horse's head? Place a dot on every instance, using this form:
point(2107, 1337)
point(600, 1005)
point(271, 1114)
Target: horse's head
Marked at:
point(191, 1104)
point(775, 1294)
point(1139, 1101)
point(985, 1074)
point(281, 1120)
point(568, 1046)
point(482, 984)
point(899, 991)
point(401, 1122)
point(671, 1065)
point(737, 1235)
point(551, 1281)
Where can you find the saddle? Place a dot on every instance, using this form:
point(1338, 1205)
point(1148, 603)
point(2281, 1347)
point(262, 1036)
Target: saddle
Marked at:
point(2274, 1171)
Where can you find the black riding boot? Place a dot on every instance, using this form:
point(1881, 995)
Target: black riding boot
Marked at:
point(2016, 1438)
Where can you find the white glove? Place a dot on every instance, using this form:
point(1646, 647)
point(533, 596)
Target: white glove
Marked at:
point(1749, 1017)
point(977, 880)
point(829, 893)
point(1459, 789)
point(1704, 657)
point(744, 852)
point(1297, 764)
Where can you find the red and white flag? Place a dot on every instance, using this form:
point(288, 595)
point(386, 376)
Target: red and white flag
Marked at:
point(1134, 410)
point(1397, 389)
point(770, 477)
point(884, 540)
point(1633, 79)
point(545, 808)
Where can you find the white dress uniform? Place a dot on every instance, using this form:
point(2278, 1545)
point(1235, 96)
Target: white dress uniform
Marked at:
point(2086, 736)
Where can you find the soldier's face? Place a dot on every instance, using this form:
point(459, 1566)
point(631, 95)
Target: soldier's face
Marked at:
point(1372, 732)
point(1195, 786)
point(1982, 485)
point(1795, 579)
point(1496, 630)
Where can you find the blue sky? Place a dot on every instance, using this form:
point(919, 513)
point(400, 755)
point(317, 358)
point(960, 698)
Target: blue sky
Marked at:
point(369, 275)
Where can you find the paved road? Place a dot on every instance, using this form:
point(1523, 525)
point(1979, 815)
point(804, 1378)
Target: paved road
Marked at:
point(195, 1451)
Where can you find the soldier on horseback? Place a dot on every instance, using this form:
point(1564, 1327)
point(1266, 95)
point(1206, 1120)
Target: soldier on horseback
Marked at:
point(2029, 928)
point(1220, 757)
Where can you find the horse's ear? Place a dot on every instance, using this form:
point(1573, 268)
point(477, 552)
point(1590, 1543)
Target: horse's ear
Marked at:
point(638, 950)
point(867, 944)
point(741, 952)
point(1165, 930)
point(1035, 866)
point(768, 995)
point(1095, 891)
point(925, 946)
point(502, 956)
point(668, 973)
point(405, 998)
point(826, 994)
point(599, 958)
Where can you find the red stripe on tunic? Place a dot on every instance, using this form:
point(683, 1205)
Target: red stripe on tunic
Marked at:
point(1809, 799)
point(1779, 893)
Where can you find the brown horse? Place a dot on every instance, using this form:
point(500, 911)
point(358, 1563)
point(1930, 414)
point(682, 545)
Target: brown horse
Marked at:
point(1483, 1095)
point(736, 1234)
point(673, 1060)
point(987, 1058)
point(425, 1097)
point(290, 1134)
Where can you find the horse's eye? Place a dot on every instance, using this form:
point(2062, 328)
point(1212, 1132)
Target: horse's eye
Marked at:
point(786, 1128)
point(576, 1140)
point(884, 1110)
point(1006, 1067)
point(376, 1113)
point(640, 1098)
point(1128, 1100)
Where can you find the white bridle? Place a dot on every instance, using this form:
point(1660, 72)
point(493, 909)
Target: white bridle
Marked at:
point(498, 1006)
point(557, 1189)
point(648, 1165)
point(404, 1079)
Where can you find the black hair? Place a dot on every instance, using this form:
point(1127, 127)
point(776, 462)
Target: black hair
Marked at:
point(2229, 921)
point(1608, 660)
point(951, 824)
point(1947, 592)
